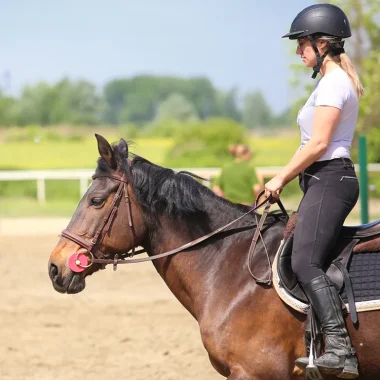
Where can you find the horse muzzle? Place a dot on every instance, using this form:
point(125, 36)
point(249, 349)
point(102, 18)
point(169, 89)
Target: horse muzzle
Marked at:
point(70, 283)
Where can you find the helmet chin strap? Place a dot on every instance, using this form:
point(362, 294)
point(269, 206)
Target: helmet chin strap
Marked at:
point(320, 59)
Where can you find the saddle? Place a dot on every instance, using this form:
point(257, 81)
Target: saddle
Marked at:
point(357, 249)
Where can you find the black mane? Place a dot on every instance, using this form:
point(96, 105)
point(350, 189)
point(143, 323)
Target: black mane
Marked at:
point(160, 190)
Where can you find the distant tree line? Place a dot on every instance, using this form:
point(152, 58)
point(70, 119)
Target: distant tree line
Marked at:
point(139, 100)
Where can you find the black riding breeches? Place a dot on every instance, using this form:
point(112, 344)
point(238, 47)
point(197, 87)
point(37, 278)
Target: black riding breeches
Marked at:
point(331, 190)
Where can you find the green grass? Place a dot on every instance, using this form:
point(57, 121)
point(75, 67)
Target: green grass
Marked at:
point(68, 148)
point(28, 155)
point(55, 189)
point(274, 151)
point(28, 207)
point(19, 198)
point(20, 152)
point(70, 154)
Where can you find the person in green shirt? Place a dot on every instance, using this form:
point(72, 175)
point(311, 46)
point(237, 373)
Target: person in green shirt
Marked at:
point(238, 181)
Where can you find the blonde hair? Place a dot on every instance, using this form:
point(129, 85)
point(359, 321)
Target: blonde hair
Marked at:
point(345, 62)
point(238, 150)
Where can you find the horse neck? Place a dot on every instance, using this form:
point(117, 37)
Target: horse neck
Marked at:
point(188, 273)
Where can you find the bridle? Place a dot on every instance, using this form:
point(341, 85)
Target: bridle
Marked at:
point(80, 263)
point(91, 247)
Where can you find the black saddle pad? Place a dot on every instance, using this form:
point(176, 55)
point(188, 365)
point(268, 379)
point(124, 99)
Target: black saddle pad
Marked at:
point(364, 271)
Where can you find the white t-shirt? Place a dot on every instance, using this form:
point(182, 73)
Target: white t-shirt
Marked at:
point(335, 89)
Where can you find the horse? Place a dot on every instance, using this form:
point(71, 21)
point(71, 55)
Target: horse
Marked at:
point(248, 331)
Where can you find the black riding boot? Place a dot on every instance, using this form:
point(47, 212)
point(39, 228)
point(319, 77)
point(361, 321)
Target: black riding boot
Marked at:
point(339, 356)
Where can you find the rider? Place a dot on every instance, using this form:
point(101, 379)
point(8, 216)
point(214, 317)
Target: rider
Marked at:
point(326, 173)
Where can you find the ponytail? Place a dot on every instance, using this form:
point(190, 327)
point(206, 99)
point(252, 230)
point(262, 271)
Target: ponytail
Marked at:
point(344, 61)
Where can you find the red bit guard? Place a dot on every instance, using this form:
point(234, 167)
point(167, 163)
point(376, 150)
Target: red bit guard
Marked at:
point(78, 262)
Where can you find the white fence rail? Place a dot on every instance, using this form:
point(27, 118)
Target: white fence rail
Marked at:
point(84, 175)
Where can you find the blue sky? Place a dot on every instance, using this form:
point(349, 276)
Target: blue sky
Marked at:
point(232, 42)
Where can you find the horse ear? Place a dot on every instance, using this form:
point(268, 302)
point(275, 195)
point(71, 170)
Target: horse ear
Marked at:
point(123, 146)
point(105, 151)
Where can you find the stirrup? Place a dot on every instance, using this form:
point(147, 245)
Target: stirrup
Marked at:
point(312, 371)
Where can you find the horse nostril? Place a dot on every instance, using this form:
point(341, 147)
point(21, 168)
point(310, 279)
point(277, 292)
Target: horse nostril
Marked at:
point(53, 272)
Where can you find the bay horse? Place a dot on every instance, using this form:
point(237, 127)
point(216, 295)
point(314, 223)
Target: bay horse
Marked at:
point(247, 330)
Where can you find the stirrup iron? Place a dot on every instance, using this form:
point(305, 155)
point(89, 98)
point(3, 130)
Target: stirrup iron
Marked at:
point(312, 371)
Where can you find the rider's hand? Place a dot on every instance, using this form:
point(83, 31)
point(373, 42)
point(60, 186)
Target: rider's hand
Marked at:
point(274, 187)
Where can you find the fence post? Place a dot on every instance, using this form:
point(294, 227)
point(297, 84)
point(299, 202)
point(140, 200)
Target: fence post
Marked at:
point(363, 175)
point(41, 193)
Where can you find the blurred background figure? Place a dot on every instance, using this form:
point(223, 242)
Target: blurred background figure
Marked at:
point(238, 180)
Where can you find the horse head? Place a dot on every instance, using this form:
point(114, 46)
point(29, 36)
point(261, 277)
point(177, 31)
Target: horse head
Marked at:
point(107, 223)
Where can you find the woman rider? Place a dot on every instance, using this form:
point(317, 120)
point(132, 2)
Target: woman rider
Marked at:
point(327, 176)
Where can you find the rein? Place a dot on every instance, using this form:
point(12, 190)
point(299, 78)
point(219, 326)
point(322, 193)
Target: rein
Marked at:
point(79, 264)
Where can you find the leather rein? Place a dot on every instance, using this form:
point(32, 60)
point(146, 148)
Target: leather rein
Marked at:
point(97, 256)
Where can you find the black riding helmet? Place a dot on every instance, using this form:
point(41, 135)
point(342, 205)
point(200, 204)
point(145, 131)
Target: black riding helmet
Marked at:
point(321, 20)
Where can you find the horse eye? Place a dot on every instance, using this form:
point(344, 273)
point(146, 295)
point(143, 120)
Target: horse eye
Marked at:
point(96, 201)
